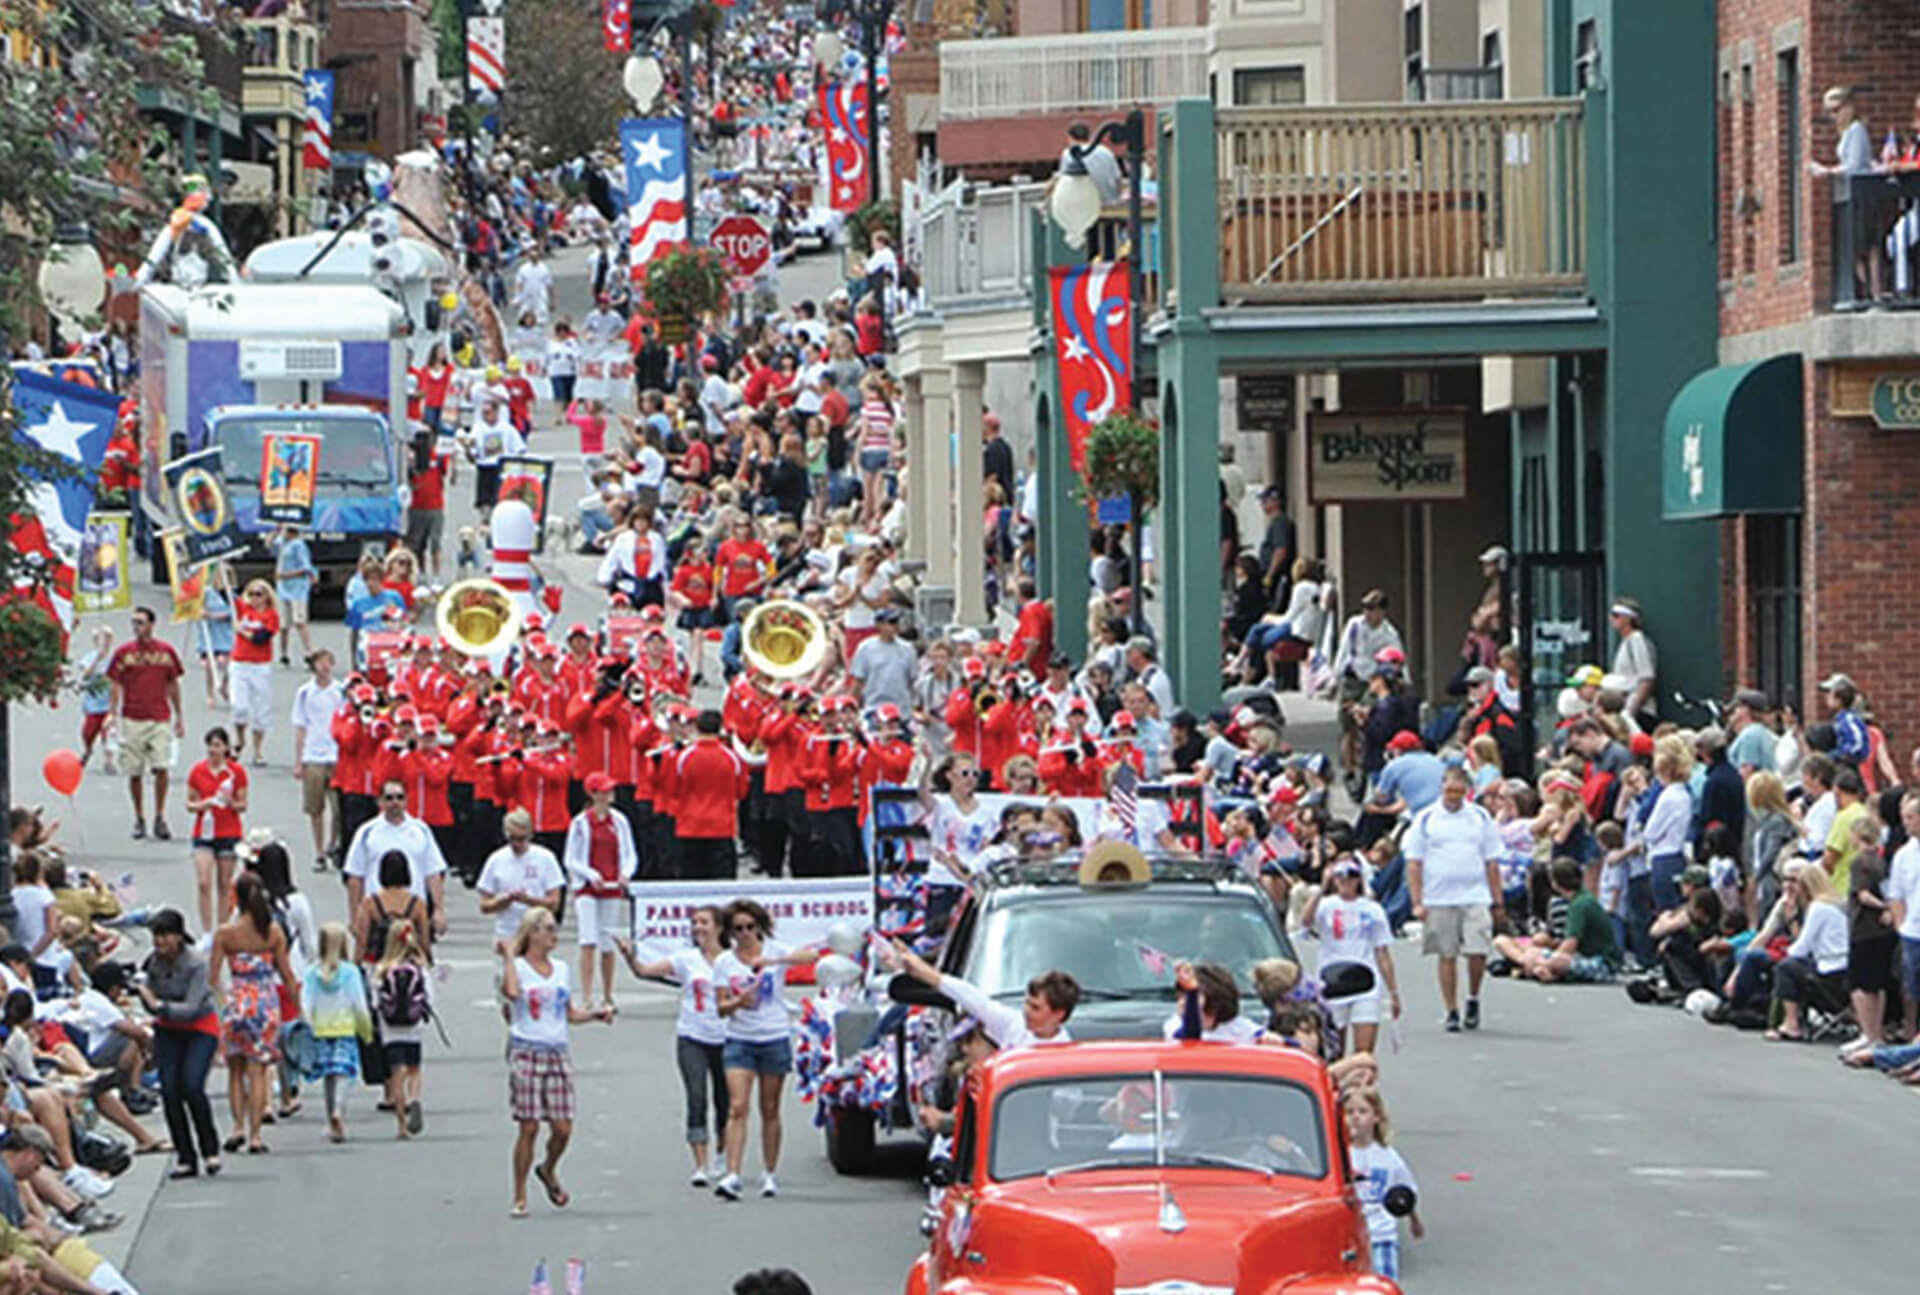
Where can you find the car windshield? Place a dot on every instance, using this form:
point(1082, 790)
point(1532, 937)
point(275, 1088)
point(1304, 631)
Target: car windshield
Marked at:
point(1080, 1124)
point(1121, 941)
point(353, 451)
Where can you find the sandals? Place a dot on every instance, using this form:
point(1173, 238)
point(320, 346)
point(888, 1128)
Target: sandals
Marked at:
point(1783, 1036)
point(556, 1194)
point(234, 1143)
point(519, 1210)
point(258, 1149)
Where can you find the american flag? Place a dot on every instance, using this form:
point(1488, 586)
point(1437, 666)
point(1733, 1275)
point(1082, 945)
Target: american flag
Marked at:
point(316, 145)
point(486, 55)
point(1121, 795)
point(617, 25)
point(75, 422)
point(655, 152)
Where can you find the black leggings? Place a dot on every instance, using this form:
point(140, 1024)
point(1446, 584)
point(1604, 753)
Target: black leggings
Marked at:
point(183, 1058)
point(701, 1067)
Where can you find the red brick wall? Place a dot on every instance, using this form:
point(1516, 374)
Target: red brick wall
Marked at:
point(913, 71)
point(1860, 574)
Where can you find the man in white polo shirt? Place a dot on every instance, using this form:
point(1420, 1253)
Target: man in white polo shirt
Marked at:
point(1453, 877)
point(395, 829)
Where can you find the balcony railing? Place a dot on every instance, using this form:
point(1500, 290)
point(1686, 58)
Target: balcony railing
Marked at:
point(975, 248)
point(1383, 202)
point(1024, 75)
point(1874, 232)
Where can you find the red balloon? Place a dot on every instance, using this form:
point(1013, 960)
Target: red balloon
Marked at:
point(61, 769)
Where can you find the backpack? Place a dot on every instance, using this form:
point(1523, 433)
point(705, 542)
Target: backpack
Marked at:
point(377, 929)
point(403, 995)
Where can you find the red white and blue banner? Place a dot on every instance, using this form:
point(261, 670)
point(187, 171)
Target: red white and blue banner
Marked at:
point(487, 55)
point(843, 110)
point(74, 422)
point(617, 25)
point(655, 152)
point(316, 143)
point(1093, 347)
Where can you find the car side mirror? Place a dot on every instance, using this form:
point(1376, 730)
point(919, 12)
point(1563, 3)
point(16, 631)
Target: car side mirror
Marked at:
point(940, 1172)
point(1399, 1201)
point(916, 993)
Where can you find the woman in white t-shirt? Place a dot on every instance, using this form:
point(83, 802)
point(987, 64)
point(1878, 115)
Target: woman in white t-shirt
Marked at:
point(748, 977)
point(1354, 928)
point(35, 927)
point(539, 989)
point(959, 830)
point(700, 1035)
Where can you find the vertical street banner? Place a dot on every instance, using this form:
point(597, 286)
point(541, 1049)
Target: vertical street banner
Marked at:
point(188, 588)
point(1093, 347)
point(316, 140)
point(654, 150)
point(486, 56)
point(73, 422)
point(843, 110)
point(289, 466)
point(529, 480)
point(105, 582)
point(198, 488)
point(617, 25)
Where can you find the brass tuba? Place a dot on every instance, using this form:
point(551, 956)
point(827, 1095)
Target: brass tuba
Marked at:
point(478, 617)
point(784, 639)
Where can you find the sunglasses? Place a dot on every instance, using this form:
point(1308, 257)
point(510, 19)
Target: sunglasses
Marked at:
point(394, 795)
point(966, 773)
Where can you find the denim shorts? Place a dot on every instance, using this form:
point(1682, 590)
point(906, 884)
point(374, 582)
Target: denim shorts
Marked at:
point(874, 460)
point(771, 1057)
point(1910, 963)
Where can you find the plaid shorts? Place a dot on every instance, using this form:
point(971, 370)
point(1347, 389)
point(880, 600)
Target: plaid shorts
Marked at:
point(540, 1084)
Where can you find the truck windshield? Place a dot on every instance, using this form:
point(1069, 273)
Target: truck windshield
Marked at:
point(353, 451)
point(1082, 1123)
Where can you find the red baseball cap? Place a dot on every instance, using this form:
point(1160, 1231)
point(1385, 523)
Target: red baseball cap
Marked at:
point(1122, 719)
point(598, 782)
point(429, 724)
point(974, 668)
point(578, 628)
point(1405, 740)
point(1641, 746)
point(887, 713)
point(535, 622)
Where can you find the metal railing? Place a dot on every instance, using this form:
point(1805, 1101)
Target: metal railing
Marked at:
point(1384, 202)
point(1017, 76)
point(975, 245)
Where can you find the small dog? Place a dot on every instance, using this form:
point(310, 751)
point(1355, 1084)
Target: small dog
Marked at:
point(468, 560)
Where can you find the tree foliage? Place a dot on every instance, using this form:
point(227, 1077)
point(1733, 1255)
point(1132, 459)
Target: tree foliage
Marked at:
point(563, 94)
point(1123, 458)
point(75, 148)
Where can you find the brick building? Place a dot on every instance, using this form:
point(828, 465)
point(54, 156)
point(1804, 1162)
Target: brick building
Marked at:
point(1819, 575)
point(377, 48)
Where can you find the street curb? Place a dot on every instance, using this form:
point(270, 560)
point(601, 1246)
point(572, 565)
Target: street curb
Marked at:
point(141, 1184)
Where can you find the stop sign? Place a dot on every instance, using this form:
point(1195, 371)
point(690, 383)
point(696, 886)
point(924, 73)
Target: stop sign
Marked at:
point(745, 243)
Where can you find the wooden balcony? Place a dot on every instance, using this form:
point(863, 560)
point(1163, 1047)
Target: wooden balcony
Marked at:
point(1378, 203)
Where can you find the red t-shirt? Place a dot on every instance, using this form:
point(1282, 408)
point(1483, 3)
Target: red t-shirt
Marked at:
point(433, 385)
point(691, 583)
point(429, 489)
point(144, 671)
point(741, 564)
point(870, 334)
point(834, 408)
point(698, 462)
point(215, 822)
point(603, 856)
point(249, 622)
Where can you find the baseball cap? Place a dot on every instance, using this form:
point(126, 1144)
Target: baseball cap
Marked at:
point(1391, 656)
point(1059, 661)
point(429, 723)
point(1494, 553)
point(1405, 740)
point(1479, 674)
point(1696, 874)
point(1837, 680)
point(1348, 868)
point(578, 628)
point(974, 668)
point(1586, 676)
point(1641, 746)
point(598, 782)
point(1122, 719)
point(1751, 698)
point(889, 614)
point(887, 713)
point(1272, 492)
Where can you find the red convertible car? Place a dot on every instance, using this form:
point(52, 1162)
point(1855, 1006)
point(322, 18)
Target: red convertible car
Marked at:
point(1148, 1169)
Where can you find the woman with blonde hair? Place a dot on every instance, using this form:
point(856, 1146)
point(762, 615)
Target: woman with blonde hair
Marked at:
point(335, 997)
point(403, 996)
point(1770, 830)
point(1814, 972)
point(539, 989)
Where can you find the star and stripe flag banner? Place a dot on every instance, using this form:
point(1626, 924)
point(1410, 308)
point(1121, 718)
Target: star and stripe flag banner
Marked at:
point(73, 422)
point(487, 55)
point(843, 108)
point(1093, 347)
point(617, 25)
point(316, 141)
point(654, 150)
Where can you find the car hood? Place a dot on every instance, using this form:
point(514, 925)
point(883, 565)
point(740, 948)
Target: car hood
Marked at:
point(1108, 1233)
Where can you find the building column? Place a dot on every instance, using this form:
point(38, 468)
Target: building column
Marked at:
point(1186, 521)
point(932, 512)
point(970, 575)
point(919, 524)
point(1064, 532)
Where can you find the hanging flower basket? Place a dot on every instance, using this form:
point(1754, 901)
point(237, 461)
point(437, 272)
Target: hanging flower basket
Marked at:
point(1123, 458)
point(685, 283)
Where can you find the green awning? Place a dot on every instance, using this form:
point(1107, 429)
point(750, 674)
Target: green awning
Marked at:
point(1735, 442)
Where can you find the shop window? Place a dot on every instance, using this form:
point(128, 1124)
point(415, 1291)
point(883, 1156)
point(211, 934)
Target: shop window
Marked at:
point(1791, 169)
point(1773, 604)
point(1749, 174)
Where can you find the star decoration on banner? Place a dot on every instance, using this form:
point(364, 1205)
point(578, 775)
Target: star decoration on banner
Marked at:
point(316, 92)
point(60, 434)
point(1075, 349)
point(650, 153)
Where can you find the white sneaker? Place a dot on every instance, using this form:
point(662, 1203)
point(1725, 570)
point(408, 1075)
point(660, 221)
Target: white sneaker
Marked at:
point(87, 1183)
point(1857, 1044)
point(729, 1189)
point(768, 1187)
point(699, 1178)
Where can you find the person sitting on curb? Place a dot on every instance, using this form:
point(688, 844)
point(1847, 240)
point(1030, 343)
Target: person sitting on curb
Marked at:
point(1588, 953)
point(1042, 1018)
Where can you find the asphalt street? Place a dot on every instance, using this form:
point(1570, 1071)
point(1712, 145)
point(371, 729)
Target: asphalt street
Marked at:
point(1576, 1141)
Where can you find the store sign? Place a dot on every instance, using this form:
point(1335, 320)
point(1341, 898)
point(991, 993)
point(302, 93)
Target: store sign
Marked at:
point(1266, 402)
point(1401, 456)
point(1896, 401)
